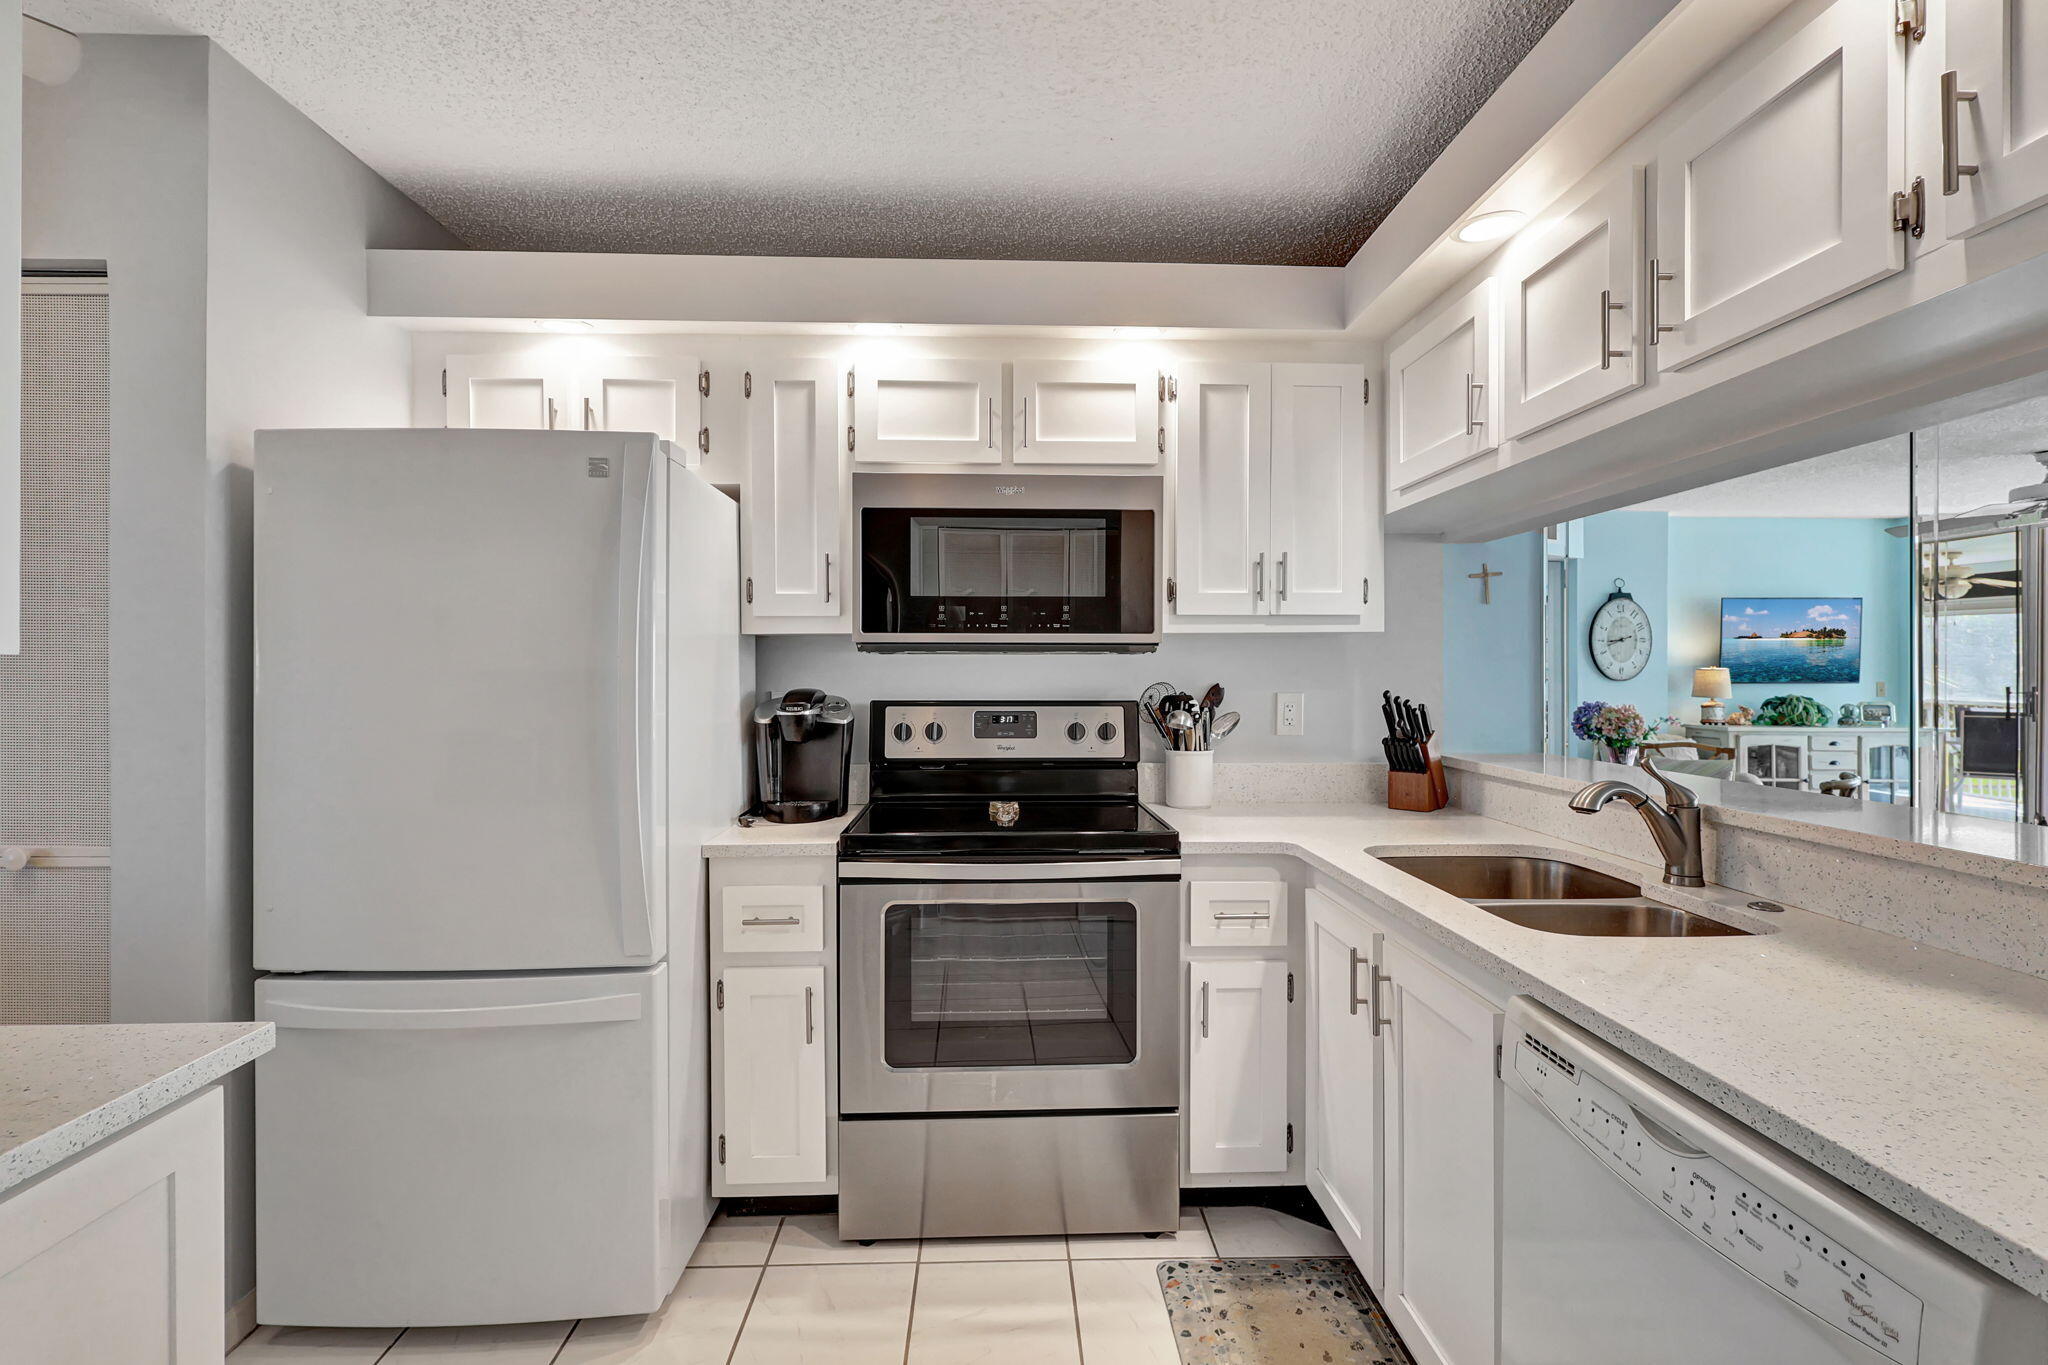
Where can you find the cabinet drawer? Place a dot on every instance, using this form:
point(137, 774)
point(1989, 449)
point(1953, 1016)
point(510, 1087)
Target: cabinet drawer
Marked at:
point(1851, 743)
point(1225, 914)
point(772, 919)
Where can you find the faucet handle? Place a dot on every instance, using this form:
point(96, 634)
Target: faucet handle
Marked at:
point(1675, 796)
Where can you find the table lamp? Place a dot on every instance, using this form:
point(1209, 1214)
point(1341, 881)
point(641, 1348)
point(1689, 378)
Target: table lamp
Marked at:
point(1710, 686)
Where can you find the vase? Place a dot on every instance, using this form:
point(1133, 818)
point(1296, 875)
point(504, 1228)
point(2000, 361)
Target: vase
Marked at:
point(1611, 754)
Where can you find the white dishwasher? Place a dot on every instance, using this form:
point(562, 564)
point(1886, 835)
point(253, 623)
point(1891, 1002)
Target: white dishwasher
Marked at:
point(1639, 1224)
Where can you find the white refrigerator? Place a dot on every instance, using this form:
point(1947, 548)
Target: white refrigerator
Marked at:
point(500, 703)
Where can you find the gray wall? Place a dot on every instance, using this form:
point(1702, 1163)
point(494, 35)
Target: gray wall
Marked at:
point(232, 229)
point(1343, 674)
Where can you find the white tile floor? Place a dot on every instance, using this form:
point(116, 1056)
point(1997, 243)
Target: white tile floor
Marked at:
point(786, 1291)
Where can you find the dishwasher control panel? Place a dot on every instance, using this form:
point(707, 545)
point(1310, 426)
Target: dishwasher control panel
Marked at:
point(1799, 1260)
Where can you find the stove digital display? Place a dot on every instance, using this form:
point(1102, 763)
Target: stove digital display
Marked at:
point(1006, 725)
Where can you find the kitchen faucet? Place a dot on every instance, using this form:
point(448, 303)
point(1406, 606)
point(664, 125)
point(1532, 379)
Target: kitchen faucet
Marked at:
point(1675, 825)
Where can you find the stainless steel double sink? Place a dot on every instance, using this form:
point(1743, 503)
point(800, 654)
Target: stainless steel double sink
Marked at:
point(1554, 896)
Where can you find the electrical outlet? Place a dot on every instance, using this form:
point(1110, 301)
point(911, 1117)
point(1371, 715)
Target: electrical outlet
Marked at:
point(1289, 712)
point(1880, 688)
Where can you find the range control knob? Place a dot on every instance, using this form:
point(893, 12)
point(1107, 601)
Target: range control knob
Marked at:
point(902, 732)
point(1105, 731)
point(1076, 731)
point(934, 732)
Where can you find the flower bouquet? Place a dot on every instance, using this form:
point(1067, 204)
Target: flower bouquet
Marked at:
point(1615, 728)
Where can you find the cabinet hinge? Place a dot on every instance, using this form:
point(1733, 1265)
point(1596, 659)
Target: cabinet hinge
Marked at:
point(1162, 440)
point(747, 384)
point(1172, 592)
point(1172, 389)
point(721, 1149)
point(703, 383)
point(721, 980)
point(1496, 1061)
point(1290, 1139)
point(703, 440)
point(1909, 209)
point(849, 381)
point(750, 598)
point(1290, 988)
point(444, 383)
point(849, 439)
point(1912, 19)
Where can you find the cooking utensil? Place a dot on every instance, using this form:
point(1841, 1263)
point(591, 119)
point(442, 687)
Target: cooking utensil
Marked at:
point(1225, 723)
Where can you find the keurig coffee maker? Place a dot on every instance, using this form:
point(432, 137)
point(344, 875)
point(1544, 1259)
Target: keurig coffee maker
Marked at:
point(803, 744)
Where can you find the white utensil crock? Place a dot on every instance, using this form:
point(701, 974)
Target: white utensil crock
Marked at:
point(1190, 778)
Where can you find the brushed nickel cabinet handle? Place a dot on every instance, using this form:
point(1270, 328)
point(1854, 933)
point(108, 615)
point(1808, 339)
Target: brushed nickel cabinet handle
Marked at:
point(1205, 1009)
point(828, 578)
point(1953, 167)
point(1469, 423)
point(1280, 577)
point(1379, 978)
point(1658, 275)
point(1608, 307)
point(1259, 578)
point(753, 920)
point(1253, 914)
point(810, 1020)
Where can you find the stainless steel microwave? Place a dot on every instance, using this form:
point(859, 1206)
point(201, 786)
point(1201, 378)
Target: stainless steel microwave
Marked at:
point(940, 579)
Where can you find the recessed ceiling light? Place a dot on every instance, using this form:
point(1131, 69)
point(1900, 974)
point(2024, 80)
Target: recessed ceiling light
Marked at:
point(564, 325)
point(1490, 227)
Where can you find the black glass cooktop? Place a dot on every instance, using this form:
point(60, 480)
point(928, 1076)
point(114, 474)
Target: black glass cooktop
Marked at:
point(1044, 827)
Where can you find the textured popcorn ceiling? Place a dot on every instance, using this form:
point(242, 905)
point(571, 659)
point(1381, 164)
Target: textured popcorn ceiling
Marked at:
point(1265, 131)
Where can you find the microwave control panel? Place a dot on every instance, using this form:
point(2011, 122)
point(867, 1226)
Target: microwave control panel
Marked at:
point(1089, 730)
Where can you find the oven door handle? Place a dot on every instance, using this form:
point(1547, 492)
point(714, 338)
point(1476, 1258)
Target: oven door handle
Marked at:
point(1129, 869)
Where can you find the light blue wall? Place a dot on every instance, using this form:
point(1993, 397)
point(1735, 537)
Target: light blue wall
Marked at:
point(1716, 557)
point(1493, 653)
point(1634, 547)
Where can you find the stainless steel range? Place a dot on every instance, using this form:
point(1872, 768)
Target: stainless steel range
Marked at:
point(1008, 936)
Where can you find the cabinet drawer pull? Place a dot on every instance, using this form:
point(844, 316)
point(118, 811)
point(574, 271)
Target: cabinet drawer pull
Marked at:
point(1658, 327)
point(1250, 914)
point(828, 578)
point(1379, 979)
point(1953, 167)
point(1205, 1009)
point(1351, 986)
point(810, 1020)
point(1259, 578)
point(752, 920)
point(1470, 389)
point(1280, 577)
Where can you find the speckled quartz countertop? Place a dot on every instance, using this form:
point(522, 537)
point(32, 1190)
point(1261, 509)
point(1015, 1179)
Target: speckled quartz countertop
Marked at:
point(64, 1087)
point(1915, 1075)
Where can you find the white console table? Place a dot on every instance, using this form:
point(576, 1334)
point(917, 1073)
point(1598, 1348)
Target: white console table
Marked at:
point(1805, 756)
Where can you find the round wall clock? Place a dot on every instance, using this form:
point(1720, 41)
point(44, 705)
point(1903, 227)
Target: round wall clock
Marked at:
point(1621, 636)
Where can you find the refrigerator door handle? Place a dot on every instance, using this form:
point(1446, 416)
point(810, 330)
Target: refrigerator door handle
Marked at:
point(601, 1009)
point(635, 662)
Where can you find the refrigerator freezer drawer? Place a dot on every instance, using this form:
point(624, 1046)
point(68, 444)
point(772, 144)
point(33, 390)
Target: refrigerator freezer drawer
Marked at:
point(452, 1150)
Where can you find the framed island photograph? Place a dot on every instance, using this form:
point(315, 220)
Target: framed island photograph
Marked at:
point(1792, 639)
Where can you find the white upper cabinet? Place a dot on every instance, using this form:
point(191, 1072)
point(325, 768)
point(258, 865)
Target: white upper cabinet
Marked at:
point(927, 412)
point(1321, 535)
point(1222, 479)
point(1994, 147)
point(1570, 319)
point(1086, 412)
point(794, 500)
point(521, 390)
point(1442, 400)
point(1774, 197)
point(657, 393)
point(1237, 1066)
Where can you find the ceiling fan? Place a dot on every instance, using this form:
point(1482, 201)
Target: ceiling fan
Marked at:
point(1955, 580)
point(2027, 506)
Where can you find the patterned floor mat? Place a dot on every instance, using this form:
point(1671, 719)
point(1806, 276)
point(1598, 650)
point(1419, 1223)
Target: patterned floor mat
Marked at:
point(1263, 1312)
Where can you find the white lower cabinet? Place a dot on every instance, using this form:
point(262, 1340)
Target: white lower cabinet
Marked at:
point(1442, 1134)
point(1345, 1069)
point(1237, 1066)
point(118, 1256)
point(774, 1080)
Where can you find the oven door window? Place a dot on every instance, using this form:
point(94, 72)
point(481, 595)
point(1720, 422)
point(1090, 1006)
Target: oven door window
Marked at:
point(1010, 983)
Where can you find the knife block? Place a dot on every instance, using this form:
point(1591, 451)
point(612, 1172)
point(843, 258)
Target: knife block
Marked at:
point(1419, 791)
